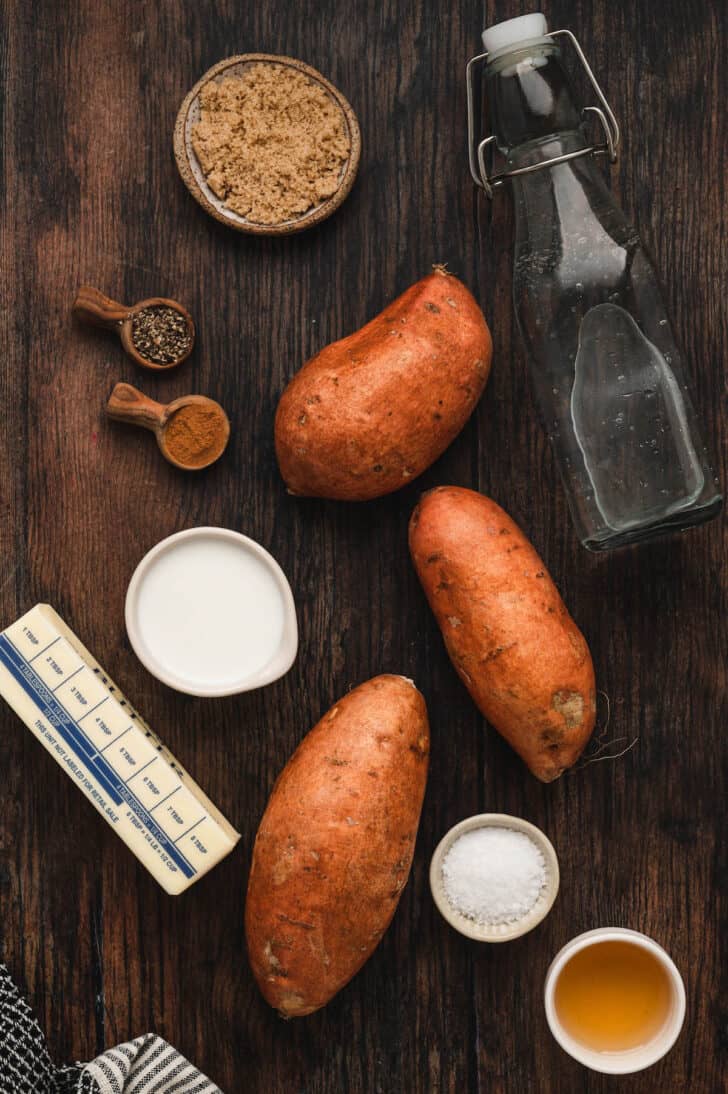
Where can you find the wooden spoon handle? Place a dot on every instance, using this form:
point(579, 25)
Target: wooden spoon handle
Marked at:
point(126, 404)
point(91, 306)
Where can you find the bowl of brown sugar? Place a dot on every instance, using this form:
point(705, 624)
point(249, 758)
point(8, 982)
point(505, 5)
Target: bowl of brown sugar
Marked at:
point(266, 144)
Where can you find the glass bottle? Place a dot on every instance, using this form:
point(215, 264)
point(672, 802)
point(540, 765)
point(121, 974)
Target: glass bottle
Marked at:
point(607, 372)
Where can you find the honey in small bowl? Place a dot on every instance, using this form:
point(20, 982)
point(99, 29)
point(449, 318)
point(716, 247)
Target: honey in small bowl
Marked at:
point(613, 996)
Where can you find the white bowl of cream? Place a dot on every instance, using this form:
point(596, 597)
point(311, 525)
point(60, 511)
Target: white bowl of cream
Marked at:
point(210, 612)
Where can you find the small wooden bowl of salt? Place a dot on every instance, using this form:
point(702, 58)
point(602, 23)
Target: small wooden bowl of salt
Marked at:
point(494, 877)
point(266, 144)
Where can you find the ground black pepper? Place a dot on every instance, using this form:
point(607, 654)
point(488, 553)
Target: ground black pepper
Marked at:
point(160, 334)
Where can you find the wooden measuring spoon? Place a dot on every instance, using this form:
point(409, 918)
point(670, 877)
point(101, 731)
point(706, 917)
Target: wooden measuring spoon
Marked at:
point(91, 306)
point(126, 404)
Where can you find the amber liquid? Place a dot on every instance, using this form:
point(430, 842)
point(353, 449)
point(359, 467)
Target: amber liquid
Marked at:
point(613, 996)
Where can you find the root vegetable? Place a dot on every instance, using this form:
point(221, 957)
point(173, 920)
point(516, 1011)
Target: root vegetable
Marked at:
point(335, 845)
point(506, 628)
point(369, 413)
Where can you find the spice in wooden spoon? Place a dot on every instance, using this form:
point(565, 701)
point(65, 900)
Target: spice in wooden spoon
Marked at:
point(195, 433)
point(156, 333)
point(160, 334)
point(192, 432)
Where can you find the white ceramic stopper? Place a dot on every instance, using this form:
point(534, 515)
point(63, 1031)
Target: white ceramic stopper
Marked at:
point(512, 32)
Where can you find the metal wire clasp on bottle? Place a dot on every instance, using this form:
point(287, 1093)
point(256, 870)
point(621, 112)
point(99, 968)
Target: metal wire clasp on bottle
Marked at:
point(482, 175)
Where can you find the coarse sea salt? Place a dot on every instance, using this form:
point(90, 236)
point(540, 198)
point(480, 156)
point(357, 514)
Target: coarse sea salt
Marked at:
point(493, 875)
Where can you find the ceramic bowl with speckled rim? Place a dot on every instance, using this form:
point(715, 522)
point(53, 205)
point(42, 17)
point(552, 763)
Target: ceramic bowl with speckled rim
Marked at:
point(498, 932)
point(193, 175)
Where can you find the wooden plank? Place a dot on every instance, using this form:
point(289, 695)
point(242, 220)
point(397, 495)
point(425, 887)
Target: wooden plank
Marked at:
point(635, 838)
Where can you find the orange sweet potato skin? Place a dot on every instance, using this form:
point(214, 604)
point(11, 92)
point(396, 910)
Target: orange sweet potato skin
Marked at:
point(335, 845)
point(370, 412)
point(506, 628)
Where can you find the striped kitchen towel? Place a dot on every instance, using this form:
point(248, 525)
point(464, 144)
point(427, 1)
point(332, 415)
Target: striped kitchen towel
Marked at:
point(147, 1065)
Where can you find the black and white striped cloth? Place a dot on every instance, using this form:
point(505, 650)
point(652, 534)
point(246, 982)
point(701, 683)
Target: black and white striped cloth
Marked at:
point(147, 1065)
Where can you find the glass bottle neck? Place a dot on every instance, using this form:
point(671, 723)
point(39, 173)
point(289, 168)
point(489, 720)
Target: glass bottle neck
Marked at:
point(533, 113)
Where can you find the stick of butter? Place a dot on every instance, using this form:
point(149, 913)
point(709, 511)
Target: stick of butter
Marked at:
point(79, 715)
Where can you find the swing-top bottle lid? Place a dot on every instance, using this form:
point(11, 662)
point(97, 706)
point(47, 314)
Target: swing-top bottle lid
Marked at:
point(530, 34)
point(513, 32)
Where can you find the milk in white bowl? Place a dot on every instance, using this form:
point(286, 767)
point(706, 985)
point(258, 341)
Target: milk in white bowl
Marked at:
point(210, 612)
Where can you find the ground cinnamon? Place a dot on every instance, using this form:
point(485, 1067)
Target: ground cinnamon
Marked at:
point(196, 434)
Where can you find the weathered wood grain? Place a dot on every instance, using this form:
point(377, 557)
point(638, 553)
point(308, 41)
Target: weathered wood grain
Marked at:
point(91, 195)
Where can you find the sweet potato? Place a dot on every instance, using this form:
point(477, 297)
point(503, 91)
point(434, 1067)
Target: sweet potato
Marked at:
point(368, 413)
point(335, 845)
point(506, 629)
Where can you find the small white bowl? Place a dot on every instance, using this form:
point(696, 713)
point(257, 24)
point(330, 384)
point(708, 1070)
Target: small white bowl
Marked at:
point(633, 1059)
point(210, 612)
point(499, 932)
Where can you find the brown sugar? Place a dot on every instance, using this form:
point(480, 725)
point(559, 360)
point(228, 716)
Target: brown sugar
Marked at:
point(271, 142)
point(196, 435)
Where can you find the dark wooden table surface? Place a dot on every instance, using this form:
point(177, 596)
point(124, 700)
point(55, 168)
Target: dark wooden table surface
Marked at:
point(91, 194)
